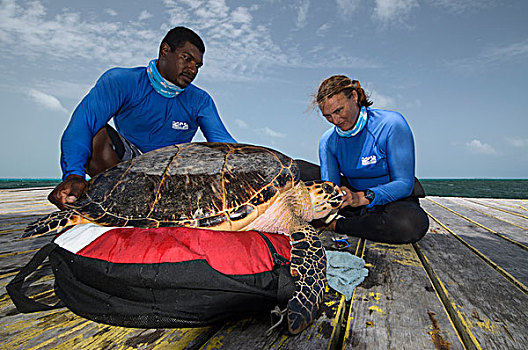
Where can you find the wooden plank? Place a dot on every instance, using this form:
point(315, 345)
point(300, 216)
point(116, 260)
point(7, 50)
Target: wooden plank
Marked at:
point(19, 190)
point(506, 217)
point(61, 327)
point(487, 306)
point(396, 306)
point(15, 252)
point(486, 221)
point(504, 254)
point(40, 210)
point(13, 242)
point(26, 198)
point(20, 221)
point(250, 333)
point(517, 206)
point(500, 206)
point(19, 203)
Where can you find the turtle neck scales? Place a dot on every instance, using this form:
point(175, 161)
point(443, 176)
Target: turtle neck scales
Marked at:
point(289, 210)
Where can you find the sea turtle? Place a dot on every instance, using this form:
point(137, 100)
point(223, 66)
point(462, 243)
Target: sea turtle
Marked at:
point(218, 186)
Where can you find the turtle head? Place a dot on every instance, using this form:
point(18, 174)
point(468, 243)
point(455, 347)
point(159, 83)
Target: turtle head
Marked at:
point(326, 198)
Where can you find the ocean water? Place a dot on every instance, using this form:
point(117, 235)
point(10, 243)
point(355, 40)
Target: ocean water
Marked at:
point(484, 188)
point(28, 183)
point(477, 188)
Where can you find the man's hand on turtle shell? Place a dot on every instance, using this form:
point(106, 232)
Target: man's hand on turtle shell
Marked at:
point(68, 191)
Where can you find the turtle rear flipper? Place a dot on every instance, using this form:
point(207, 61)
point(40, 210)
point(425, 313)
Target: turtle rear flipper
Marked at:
point(308, 267)
point(53, 222)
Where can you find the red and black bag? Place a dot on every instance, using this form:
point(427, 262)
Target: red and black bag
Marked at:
point(163, 277)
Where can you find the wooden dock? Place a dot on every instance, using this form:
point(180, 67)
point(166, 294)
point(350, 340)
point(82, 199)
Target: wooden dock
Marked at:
point(464, 286)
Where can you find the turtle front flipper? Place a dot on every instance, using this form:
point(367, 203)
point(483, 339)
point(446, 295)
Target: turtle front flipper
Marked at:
point(53, 222)
point(308, 268)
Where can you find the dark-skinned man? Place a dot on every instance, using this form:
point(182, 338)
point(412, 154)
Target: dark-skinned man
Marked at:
point(152, 107)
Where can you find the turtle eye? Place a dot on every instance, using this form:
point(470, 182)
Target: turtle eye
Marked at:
point(328, 188)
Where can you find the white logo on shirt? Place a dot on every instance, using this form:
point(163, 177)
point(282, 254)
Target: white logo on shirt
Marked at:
point(179, 125)
point(368, 160)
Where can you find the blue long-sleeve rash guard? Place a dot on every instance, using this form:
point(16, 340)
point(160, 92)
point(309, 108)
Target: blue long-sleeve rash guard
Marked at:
point(143, 116)
point(380, 157)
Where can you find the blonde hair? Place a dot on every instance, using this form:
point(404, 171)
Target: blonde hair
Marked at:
point(337, 84)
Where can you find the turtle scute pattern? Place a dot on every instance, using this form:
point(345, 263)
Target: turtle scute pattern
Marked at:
point(197, 184)
point(309, 275)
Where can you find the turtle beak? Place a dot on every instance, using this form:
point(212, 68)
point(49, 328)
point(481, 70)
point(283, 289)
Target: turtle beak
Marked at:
point(330, 216)
point(327, 198)
point(333, 213)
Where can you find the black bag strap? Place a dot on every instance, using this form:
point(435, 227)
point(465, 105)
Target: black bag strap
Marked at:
point(22, 302)
point(286, 286)
point(278, 259)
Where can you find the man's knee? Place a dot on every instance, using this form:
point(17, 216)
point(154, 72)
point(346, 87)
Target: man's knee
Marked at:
point(100, 139)
point(103, 154)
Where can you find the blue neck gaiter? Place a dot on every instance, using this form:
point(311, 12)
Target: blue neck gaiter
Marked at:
point(360, 123)
point(162, 86)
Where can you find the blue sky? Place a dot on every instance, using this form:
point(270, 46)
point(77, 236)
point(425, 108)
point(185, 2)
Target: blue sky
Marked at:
point(456, 69)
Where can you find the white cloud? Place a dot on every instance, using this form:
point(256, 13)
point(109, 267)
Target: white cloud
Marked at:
point(237, 48)
point(416, 103)
point(302, 14)
point(46, 100)
point(317, 48)
point(508, 52)
point(65, 90)
point(394, 10)
point(271, 133)
point(241, 124)
point(68, 35)
point(346, 7)
point(460, 6)
point(322, 30)
point(110, 12)
point(218, 9)
point(266, 131)
point(517, 142)
point(144, 15)
point(335, 57)
point(476, 146)
point(241, 15)
point(493, 56)
point(380, 100)
point(391, 102)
